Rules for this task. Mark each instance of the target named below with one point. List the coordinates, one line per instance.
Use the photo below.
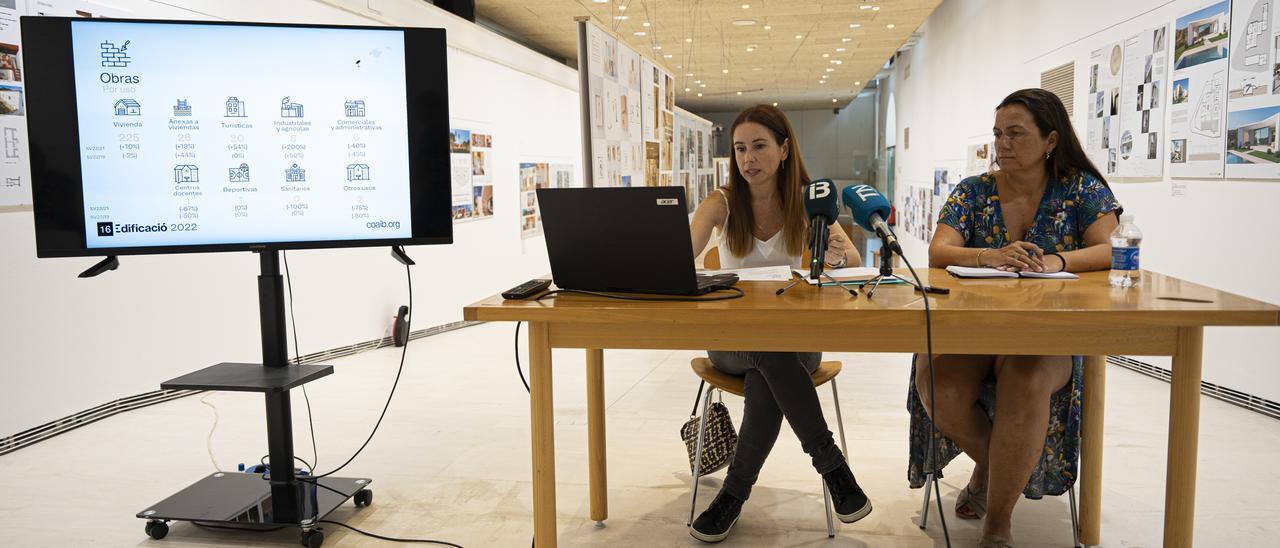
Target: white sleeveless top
(771, 252)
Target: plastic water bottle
(1125, 240)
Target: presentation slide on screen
(209, 134)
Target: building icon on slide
(182, 108)
(235, 108)
(295, 174)
(114, 57)
(357, 172)
(128, 107)
(290, 110)
(186, 173)
(238, 174)
(354, 108)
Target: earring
(1046, 155)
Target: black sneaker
(714, 523)
(850, 502)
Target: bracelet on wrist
(1060, 258)
(977, 261)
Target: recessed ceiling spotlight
(839, 50)
(699, 94)
(889, 26)
(864, 7)
(855, 25)
(646, 23)
(756, 69)
(826, 55)
(799, 36)
(857, 83)
(621, 17)
(876, 8)
(837, 61)
(768, 27)
(687, 90)
(846, 40)
(656, 48)
(642, 33)
(822, 81)
(688, 74)
(725, 71)
(688, 40)
(746, 6)
(833, 100)
(775, 103)
(622, 7)
(601, 1)
(739, 93)
(744, 22)
(831, 70)
(697, 81)
(750, 49)
(666, 56)
(702, 85)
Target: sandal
(972, 501)
(994, 542)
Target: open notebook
(971, 272)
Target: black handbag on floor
(719, 440)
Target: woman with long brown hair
(760, 219)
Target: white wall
(974, 52)
(68, 344)
(834, 146)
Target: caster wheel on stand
(312, 539)
(156, 529)
(363, 497)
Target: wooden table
(992, 316)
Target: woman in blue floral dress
(1048, 209)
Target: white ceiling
(782, 56)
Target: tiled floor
(451, 460)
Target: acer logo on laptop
(668, 201)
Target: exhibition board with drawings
(1142, 104)
(14, 169)
(471, 172)
(1253, 92)
(1103, 127)
(630, 119)
(535, 175)
(1198, 98)
(916, 216)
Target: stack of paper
(971, 272)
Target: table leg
(1184, 439)
(1095, 382)
(597, 464)
(544, 440)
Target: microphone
(822, 208)
(870, 209)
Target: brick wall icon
(115, 57)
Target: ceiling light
(646, 23)
(688, 74)
(775, 103)
(822, 81)
(697, 81)
(744, 22)
(768, 27)
(855, 25)
(846, 40)
(666, 56)
(798, 36)
(833, 100)
(756, 69)
(601, 1)
(656, 48)
(622, 7)
(876, 8)
(725, 71)
(642, 33)
(864, 7)
(746, 6)
(837, 61)
(688, 40)
(702, 85)
(831, 70)
(889, 26)
(687, 90)
(826, 55)
(739, 93)
(857, 83)
(699, 94)
(621, 17)
(839, 50)
(749, 50)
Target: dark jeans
(776, 385)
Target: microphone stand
(886, 273)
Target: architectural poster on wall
(1142, 92)
(616, 126)
(980, 159)
(471, 174)
(1198, 92)
(1102, 137)
(1253, 92)
(15, 172)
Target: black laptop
(631, 240)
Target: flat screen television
(182, 136)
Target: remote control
(527, 289)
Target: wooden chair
(733, 384)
